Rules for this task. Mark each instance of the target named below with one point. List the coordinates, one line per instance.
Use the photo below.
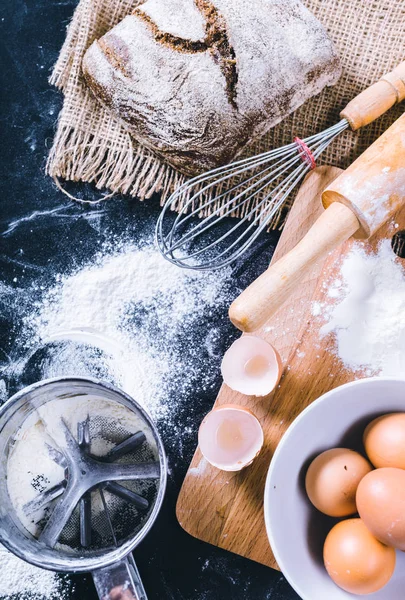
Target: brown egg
(380, 501)
(355, 560)
(384, 441)
(332, 479)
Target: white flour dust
(22, 581)
(132, 306)
(367, 313)
(128, 317)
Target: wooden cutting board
(226, 509)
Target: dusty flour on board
(367, 315)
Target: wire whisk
(255, 188)
(273, 175)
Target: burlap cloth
(92, 146)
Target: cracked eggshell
(230, 437)
(251, 366)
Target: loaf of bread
(196, 80)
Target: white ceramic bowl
(296, 530)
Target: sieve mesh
(126, 520)
(113, 520)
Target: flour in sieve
(30, 467)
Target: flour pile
(131, 318)
(121, 318)
(368, 315)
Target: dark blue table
(35, 236)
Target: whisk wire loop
(199, 228)
(259, 187)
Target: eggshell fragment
(251, 366)
(355, 560)
(380, 501)
(230, 437)
(384, 441)
(332, 479)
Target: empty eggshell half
(251, 366)
(230, 437)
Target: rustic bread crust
(196, 85)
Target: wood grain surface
(226, 509)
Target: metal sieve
(128, 483)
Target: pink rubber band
(305, 153)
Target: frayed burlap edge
(91, 145)
(81, 150)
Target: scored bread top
(195, 80)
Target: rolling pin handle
(267, 293)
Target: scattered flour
(133, 319)
(21, 580)
(200, 468)
(132, 305)
(368, 317)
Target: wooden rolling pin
(357, 203)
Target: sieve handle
(119, 581)
(376, 99)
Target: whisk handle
(377, 99)
(267, 293)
